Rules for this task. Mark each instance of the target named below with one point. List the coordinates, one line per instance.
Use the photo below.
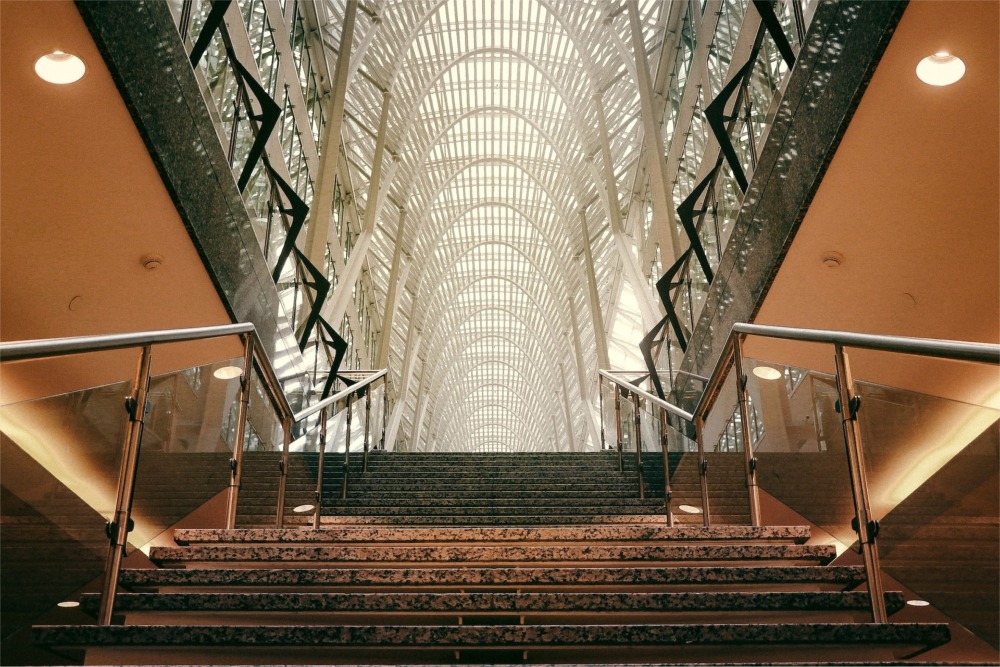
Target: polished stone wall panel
(841, 50)
(144, 52)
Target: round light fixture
(151, 262)
(302, 509)
(918, 603)
(228, 372)
(940, 69)
(767, 373)
(68, 604)
(690, 509)
(60, 67)
(832, 259)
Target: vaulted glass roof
(494, 128)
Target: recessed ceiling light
(68, 604)
(301, 509)
(832, 259)
(228, 372)
(940, 69)
(60, 67)
(767, 373)
(918, 603)
(690, 509)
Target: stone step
(491, 553)
(492, 603)
(838, 575)
(475, 636)
(266, 520)
(797, 534)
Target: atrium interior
(516, 209)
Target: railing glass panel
(933, 467)
(187, 444)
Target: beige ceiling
(912, 202)
(81, 204)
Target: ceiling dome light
(941, 69)
(68, 604)
(59, 67)
(767, 373)
(228, 372)
(918, 603)
(690, 509)
(302, 509)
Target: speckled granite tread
(485, 553)
(515, 603)
(522, 521)
(492, 635)
(798, 534)
(511, 576)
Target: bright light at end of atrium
(940, 69)
(60, 67)
(767, 373)
(228, 372)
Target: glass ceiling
(494, 125)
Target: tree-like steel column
(345, 285)
(655, 156)
(322, 207)
(643, 297)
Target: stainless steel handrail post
(286, 425)
(385, 411)
(600, 399)
(753, 494)
(664, 447)
(347, 450)
(319, 469)
(236, 462)
(867, 528)
(118, 528)
(368, 426)
(618, 423)
(699, 426)
(638, 447)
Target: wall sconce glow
(228, 372)
(918, 603)
(767, 373)
(941, 69)
(690, 509)
(59, 67)
(68, 604)
(302, 509)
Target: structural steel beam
(322, 208)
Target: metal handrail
(339, 396)
(253, 354)
(929, 347)
(652, 398)
(732, 355)
(55, 347)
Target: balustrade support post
(236, 462)
(638, 447)
(750, 461)
(664, 447)
(118, 528)
(319, 469)
(699, 426)
(618, 423)
(867, 528)
(347, 450)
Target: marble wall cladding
(144, 52)
(844, 44)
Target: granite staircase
(492, 559)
